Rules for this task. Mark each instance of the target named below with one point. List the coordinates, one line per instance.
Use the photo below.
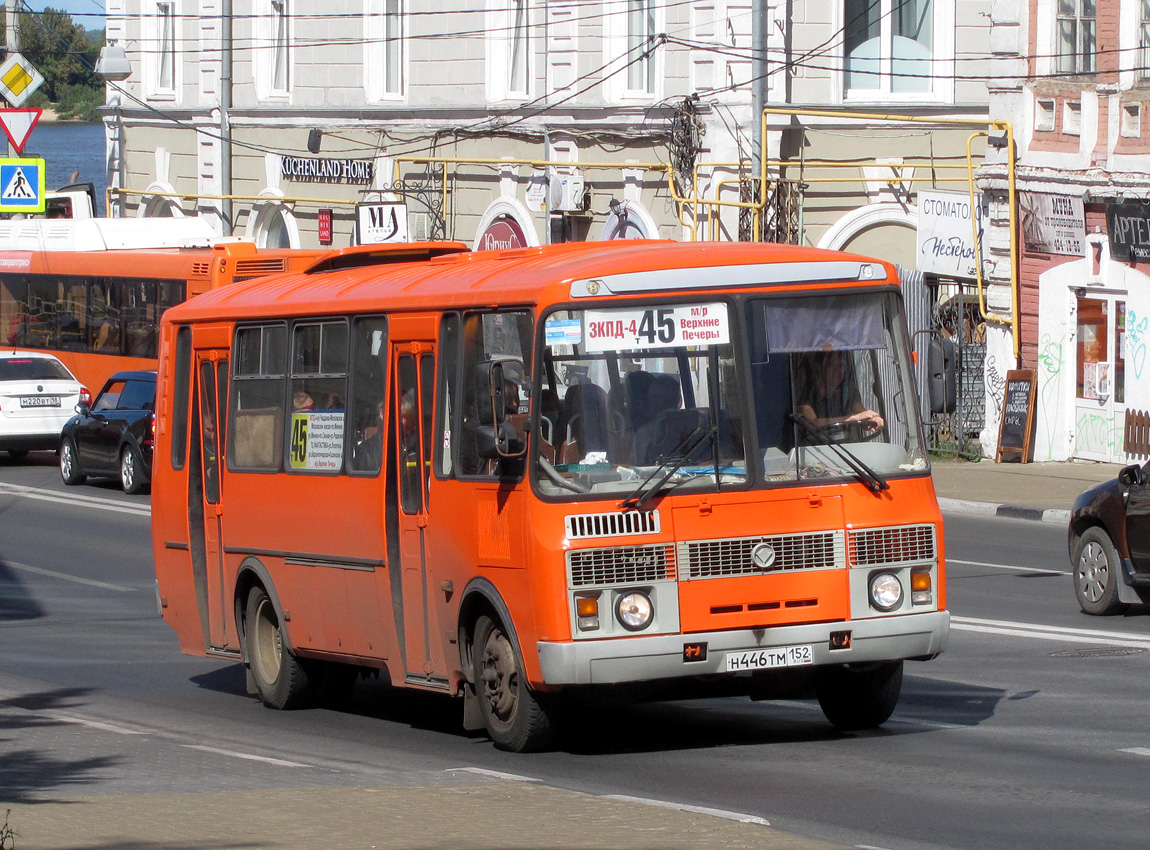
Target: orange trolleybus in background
(520, 477)
(91, 291)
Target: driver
(829, 395)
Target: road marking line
(494, 774)
(93, 724)
(1030, 630)
(74, 500)
(683, 807)
(91, 582)
(1044, 628)
(1138, 751)
(247, 756)
(1006, 567)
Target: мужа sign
(315, 170)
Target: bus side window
(366, 408)
(258, 386)
(506, 338)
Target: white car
(37, 396)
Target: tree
(59, 49)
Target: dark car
(113, 437)
(1110, 543)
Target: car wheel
(132, 471)
(70, 464)
(1096, 566)
(17, 454)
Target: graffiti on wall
(1049, 382)
(1136, 341)
(1098, 433)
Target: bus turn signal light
(920, 589)
(587, 610)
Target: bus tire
(856, 698)
(512, 713)
(132, 471)
(281, 680)
(70, 464)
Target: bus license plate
(40, 401)
(765, 659)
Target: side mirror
(1132, 476)
(489, 407)
(942, 376)
(498, 441)
(83, 408)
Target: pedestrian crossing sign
(22, 185)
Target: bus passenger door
(411, 406)
(205, 502)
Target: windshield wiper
(675, 461)
(865, 474)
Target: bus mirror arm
(498, 441)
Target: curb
(988, 509)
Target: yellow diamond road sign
(18, 79)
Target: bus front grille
(772, 553)
(620, 565)
(895, 545)
(615, 524)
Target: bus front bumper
(637, 659)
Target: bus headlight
(885, 591)
(634, 610)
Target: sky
(89, 13)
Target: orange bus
(91, 291)
(525, 478)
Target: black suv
(113, 436)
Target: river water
(67, 147)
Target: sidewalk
(1040, 491)
(477, 813)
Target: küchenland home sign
(305, 169)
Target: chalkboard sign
(1017, 415)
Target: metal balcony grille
(897, 545)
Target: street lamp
(113, 64)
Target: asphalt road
(1030, 732)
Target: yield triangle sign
(18, 124)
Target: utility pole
(758, 92)
(225, 117)
(12, 40)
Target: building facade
(525, 121)
(1073, 78)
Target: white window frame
(385, 50)
(941, 63)
(622, 43)
(274, 56)
(1084, 59)
(160, 25)
(510, 50)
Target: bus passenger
(829, 395)
(302, 400)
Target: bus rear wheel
(856, 698)
(281, 680)
(513, 714)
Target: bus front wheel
(281, 680)
(514, 715)
(856, 698)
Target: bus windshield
(641, 400)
